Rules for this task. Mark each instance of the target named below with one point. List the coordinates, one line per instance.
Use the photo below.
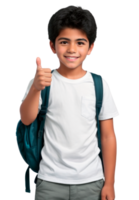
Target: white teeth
(72, 57)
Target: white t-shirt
(70, 152)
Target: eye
(81, 42)
(78, 42)
(62, 42)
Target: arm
(29, 107)
(108, 143)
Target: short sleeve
(27, 91)
(108, 109)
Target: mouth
(71, 58)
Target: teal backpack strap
(27, 182)
(99, 97)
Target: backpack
(30, 138)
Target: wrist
(34, 89)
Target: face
(71, 43)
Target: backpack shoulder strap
(99, 98)
(98, 91)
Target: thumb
(37, 62)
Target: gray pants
(46, 190)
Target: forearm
(29, 107)
(109, 158)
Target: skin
(68, 69)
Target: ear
(52, 46)
(90, 49)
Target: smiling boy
(71, 59)
(70, 167)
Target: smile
(71, 58)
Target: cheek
(60, 52)
(83, 51)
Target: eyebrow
(70, 40)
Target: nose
(72, 48)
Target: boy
(70, 167)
